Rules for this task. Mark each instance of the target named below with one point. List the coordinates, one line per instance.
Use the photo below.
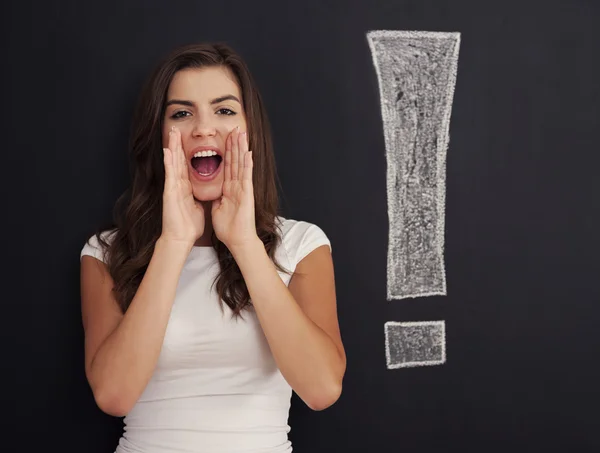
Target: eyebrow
(226, 97)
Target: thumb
(216, 204)
(199, 205)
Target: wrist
(173, 245)
(247, 248)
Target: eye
(227, 111)
(178, 114)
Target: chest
(202, 331)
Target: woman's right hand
(183, 216)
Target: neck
(204, 240)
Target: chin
(208, 192)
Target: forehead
(203, 84)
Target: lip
(197, 175)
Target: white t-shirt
(216, 387)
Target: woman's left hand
(233, 214)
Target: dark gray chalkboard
(518, 304)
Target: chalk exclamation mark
(416, 71)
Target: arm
(299, 322)
(121, 351)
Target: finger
(182, 158)
(175, 149)
(247, 175)
(167, 160)
(235, 154)
(170, 174)
(243, 146)
(171, 150)
(215, 205)
(228, 158)
(172, 144)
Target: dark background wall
(521, 312)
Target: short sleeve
(300, 238)
(93, 247)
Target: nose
(203, 127)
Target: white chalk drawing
(411, 344)
(416, 71)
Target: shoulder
(299, 238)
(93, 247)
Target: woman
(203, 308)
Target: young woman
(203, 308)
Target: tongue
(205, 165)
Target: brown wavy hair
(137, 214)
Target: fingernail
(172, 128)
(237, 128)
(244, 133)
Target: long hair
(137, 215)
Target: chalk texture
(411, 344)
(416, 72)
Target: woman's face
(205, 105)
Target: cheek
(165, 134)
(226, 129)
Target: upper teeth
(205, 153)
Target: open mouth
(206, 165)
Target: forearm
(306, 356)
(124, 363)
